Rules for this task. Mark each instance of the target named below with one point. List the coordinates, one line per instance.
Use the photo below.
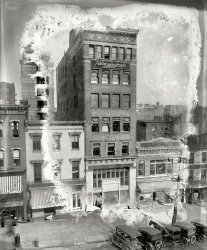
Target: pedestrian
(2, 222)
(10, 229)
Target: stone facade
(7, 93)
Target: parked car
(126, 238)
(151, 238)
(201, 230)
(188, 231)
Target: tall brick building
(7, 93)
(96, 82)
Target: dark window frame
(96, 149)
(94, 101)
(75, 144)
(111, 149)
(75, 170)
(36, 144)
(37, 172)
(105, 101)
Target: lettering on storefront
(109, 65)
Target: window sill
(75, 149)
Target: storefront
(196, 192)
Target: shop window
(75, 141)
(106, 52)
(111, 149)
(129, 54)
(91, 51)
(105, 77)
(191, 158)
(1, 129)
(76, 200)
(75, 101)
(169, 166)
(114, 53)
(15, 128)
(96, 149)
(160, 167)
(152, 167)
(116, 101)
(94, 100)
(191, 174)
(56, 142)
(105, 101)
(94, 77)
(99, 51)
(1, 158)
(16, 157)
(126, 78)
(106, 125)
(116, 78)
(116, 124)
(95, 125)
(204, 157)
(36, 143)
(75, 169)
(125, 148)
(121, 53)
(141, 168)
(203, 174)
(37, 172)
(126, 101)
(126, 177)
(126, 124)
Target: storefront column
(24, 184)
(132, 185)
(89, 187)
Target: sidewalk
(69, 231)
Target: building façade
(96, 82)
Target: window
(95, 124)
(47, 80)
(125, 148)
(41, 92)
(15, 128)
(152, 167)
(106, 52)
(99, 51)
(36, 143)
(203, 174)
(91, 51)
(116, 78)
(56, 142)
(129, 54)
(74, 82)
(105, 101)
(116, 124)
(94, 76)
(105, 77)
(126, 78)
(191, 158)
(204, 156)
(37, 172)
(75, 101)
(121, 53)
(141, 168)
(1, 158)
(160, 167)
(191, 174)
(75, 141)
(126, 124)
(169, 166)
(94, 100)
(114, 53)
(116, 101)
(111, 148)
(75, 169)
(105, 125)
(16, 157)
(96, 149)
(126, 101)
(1, 129)
(41, 104)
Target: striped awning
(11, 184)
(44, 198)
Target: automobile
(201, 230)
(126, 238)
(151, 238)
(188, 231)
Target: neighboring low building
(13, 184)
(158, 166)
(55, 167)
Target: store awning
(150, 187)
(44, 198)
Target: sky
(168, 42)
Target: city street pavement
(75, 233)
